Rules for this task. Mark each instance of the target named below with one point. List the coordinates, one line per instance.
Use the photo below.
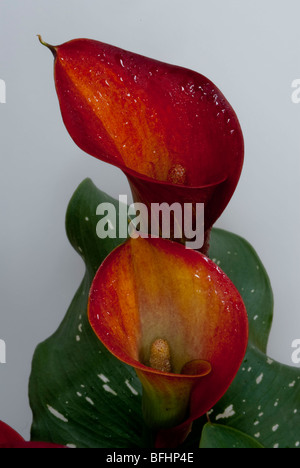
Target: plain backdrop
(249, 49)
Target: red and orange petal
(148, 116)
(160, 123)
(9, 438)
(154, 288)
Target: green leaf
(264, 399)
(218, 436)
(81, 395)
(237, 258)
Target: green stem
(49, 46)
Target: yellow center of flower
(177, 175)
(160, 357)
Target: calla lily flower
(9, 438)
(170, 129)
(177, 319)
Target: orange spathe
(149, 289)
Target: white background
(250, 49)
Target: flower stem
(49, 46)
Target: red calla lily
(170, 129)
(9, 438)
(174, 316)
